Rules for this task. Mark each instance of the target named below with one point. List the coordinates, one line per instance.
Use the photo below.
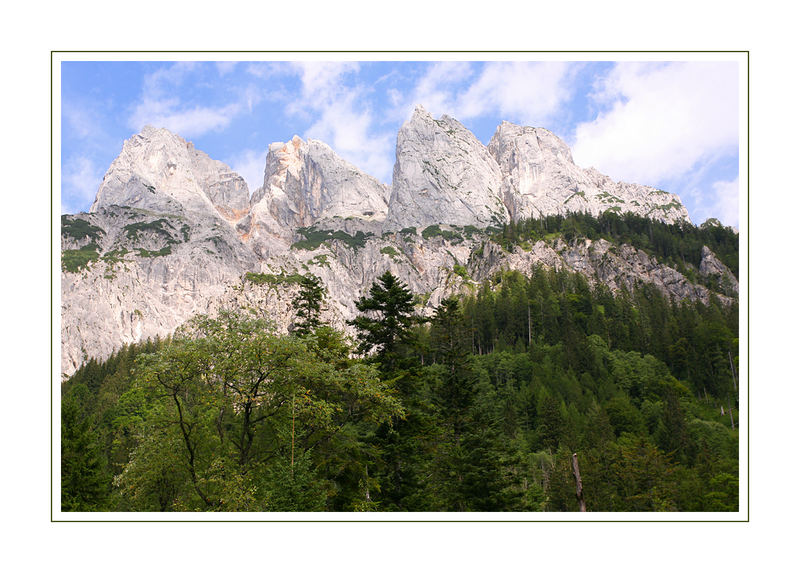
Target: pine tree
(84, 482)
(308, 305)
(450, 344)
(391, 314)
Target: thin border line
(52, 280)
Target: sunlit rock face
(173, 233)
(443, 174)
(540, 178)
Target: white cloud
(190, 122)
(159, 106)
(438, 89)
(531, 93)
(527, 92)
(323, 84)
(349, 132)
(341, 117)
(320, 78)
(250, 164)
(664, 120)
(224, 68)
(725, 205)
(80, 121)
(266, 70)
(727, 193)
(80, 179)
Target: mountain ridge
(178, 232)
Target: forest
(479, 407)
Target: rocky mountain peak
(547, 145)
(173, 233)
(540, 178)
(306, 181)
(162, 172)
(443, 174)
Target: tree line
(477, 408)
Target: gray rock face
(305, 183)
(443, 174)
(711, 266)
(163, 229)
(153, 271)
(162, 172)
(173, 233)
(599, 261)
(540, 178)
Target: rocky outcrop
(158, 245)
(173, 233)
(161, 172)
(306, 183)
(540, 178)
(601, 262)
(443, 174)
(711, 267)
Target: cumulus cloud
(159, 106)
(437, 90)
(80, 179)
(80, 121)
(224, 68)
(341, 116)
(349, 132)
(250, 164)
(531, 93)
(721, 202)
(727, 201)
(661, 120)
(190, 122)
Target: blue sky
(672, 125)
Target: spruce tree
(84, 480)
(308, 305)
(390, 315)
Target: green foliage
(479, 409)
(461, 271)
(115, 256)
(389, 314)
(74, 260)
(435, 231)
(308, 304)
(78, 229)
(83, 470)
(159, 226)
(313, 238)
(272, 279)
(163, 252)
(236, 418)
(678, 245)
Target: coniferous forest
(479, 407)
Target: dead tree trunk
(578, 483)
(529, 323)
(733, 372)
(730, 411)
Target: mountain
(540, 178)
(443, 174)
(173, 233)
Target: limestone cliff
(173, 233)
(540, 178)
(443, 174)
